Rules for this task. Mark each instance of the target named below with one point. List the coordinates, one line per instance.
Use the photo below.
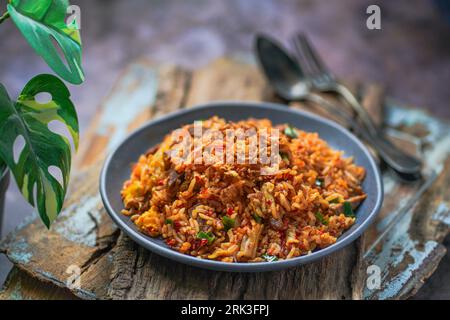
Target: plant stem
(4, 16)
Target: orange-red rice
(297, 210)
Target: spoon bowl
(283, 72)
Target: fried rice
(232, 212)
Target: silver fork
(321, 79)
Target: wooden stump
(404, 242)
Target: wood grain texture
(138, 274)
(218, 81)
(404, 242)
(410, 252)
(21, 286)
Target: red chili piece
(177, 225)
(171, 242)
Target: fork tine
(312, 54)
(305, 63)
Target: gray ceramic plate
(118, 166)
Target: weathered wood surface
(404, 242)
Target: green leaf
(43, 21)
(43, 148)
(348, 211)
(206, 235)
(228, 223)
(284, 156)
(321, 218)
(290, 132)
(319, 182)
(169, 221)
(2, 168)
(257, 218)
(269, 258)
(335, 200)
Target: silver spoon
(290, 83)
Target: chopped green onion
(169, 221)
(269, 258)
(257, 218)
(348, 211)
(335, 200)
(321, 218)
(290, 132)
(284, 156)
(319, 182)
(228, 223)
(206, 235)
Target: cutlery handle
(362, 113)
(399, 161)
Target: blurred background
(410, 55)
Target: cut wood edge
(19, 285)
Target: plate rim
(138, 237)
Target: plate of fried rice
(243, 187)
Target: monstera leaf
(44, 146)
(2, 167)
(43, 26)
